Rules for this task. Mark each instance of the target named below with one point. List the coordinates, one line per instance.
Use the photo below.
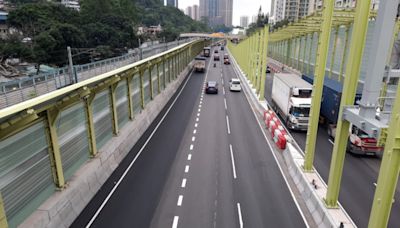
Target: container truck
(291, 99)
(359, 141)
(206, 52)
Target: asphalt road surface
(360, 174)
(206, 165)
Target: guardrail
(45, 140)
(20, 90)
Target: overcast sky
(240, 7)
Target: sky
(240, 7)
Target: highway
(204, 162)
(360, 174)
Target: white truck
(291, 99)
(199, 64)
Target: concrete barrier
(62, 208)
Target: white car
(234, 85)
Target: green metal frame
(3, 216)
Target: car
(234, 85)
(268, 70)
(216, 51)
(216, 57)
(211, 87)
(222, 48)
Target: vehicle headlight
(294, 119)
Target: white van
(234, 85)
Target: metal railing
(16, 91)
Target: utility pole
(71, 67)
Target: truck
(199, 64)
(359, 142)
(226, 59)
(206, 52)
(291, 99)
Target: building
(254, 19)
(195, 13)
(189, 11)
(4, 30)
(277, 10)
(216, 12)
(152, 30)
(244, 21)
(73, 4)
(173, 3)
(315, 5)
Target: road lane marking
(226, 107)
(331, 141)
(183, 185)
(240, 215)
(196, 124)
(193, 138)
(198, 114)
(191, 147)
(197, 119)
(137, 156)
(227, 125)
(179, 203)
(223, 90)
(275, 158)
(194, 131)
(186, 169)
(189, 157)
(233, 161)
(175, 222)
(199, 105)
(199, 110)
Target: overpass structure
(143, 145)
(210, 35)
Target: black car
(216, 51)
(222, 48)
(268, 70)
(216, 57)
(212, 87)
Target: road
(207, 165)
(360, 174)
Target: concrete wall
(61, 209)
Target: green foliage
(262, 20)
(107, 27)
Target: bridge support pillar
(322, 55)
(349, 89)
(90, 125)
(344, 53)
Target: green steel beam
(130, 93)
(262, 52)
(54, 147)
(322, 55)
(88, 101)
(335, 40)
(389, 171)
(18, 124)
(349, 89)
(141, 75)
(346, 39)
(304, 54)
(113, 107)
(264, 65)
(3, 216)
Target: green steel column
(349, 89)
(310, 54)
(114, 112)
(344, 53)
(130, 93)
(389, 171)
(335, 40)
(257, 59)
(264, 66)
(158, 78)
(322, 55)
(261, 61)
(248, 53)
(251, 57)
(3, 216)
(299, 41)
(55, 153)
(150, 69)
(304, 55)
(141, 88)
(90, 125)
(288, 52)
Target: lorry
(359, 141)
(199, 64)
(291, 99)
(206, 52)
(226, 59)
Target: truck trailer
(199, 64)
(359, 141)
(291, 99)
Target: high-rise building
(216, 12)
(195, 12)
(244, 21)
(189, 11)
(277, 10)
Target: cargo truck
(199, 64)
(291, 99)
(359, 141)
(206, 52)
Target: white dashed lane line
(193, 139)
(175, 222)
(186, 169)
(179, 203)
(194, 131)
(189, 157)
(227, 125)
(183, 185)
(233, 161)
(226, 107)
(240, 215)
(191, 147)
